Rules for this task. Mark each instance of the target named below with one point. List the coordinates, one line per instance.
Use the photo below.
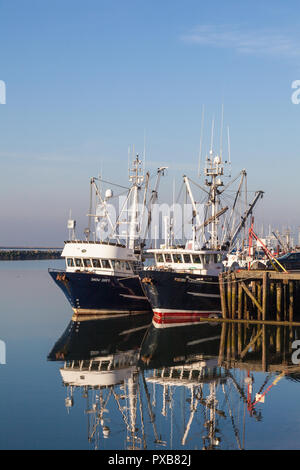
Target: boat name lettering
(95, 279)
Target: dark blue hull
(172, 346)
(90, 293)
(178, 298)
(108, 334)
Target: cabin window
(196, 259)
(186, 258)
(177, 258)
(78, 262)
(105, 264)
(128, 268)
(70, 262)
(168, 258)
(116, 264)
(208, 259)
(96, 263)
(218, 258)
(159, 258)
(87, 263)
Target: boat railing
(51, 270)
(93, 242)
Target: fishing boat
(100, 357)
(183, 285)
(101, 275)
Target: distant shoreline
(29, 254)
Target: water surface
(64, 385)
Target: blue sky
(86, 79)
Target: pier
(23, 254)
(260, 296)
(258, 347)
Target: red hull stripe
(178, 317)
(183, 314)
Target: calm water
(179, 388)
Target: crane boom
(258, 195)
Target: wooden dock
(258, 347)
(260, 296)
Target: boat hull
(108, 334)
(181, 298)
(90, 293)
(184, 344)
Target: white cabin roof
(94, 378)
(184, 251)
(97, 250)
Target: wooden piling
(239, 338)
(291, 301)
(259, 298)
(233, 296)
(265, 296)
(223, 296)
(278, 301)
(222, 344)
(264, 349)
(240, 301)
(229, 295)
(259, 295)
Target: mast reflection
(184, 387)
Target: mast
(152, 200)
(214, 170)
(232, 239)
(194, 207)
(136, 177)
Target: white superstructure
(100, 371)
(206, 262)
(100, 258)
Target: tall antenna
(200, 144)
(221, 132)
(212, 135)
(129, 160)
(228, 140)
(173, 192)
(144, 164)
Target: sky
(86, 79)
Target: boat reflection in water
(185, 387)
(101, 358)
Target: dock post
(223, 296)
(291, 301)
(285, 299)
(233, 346)
(264, 349)
(239, 338)
(265, 295)
(222, 344)
(278, 301)
(233, 295)
(240, 301)
(229, 295)
(259, 298)
(228, 355)
(272, 295)
(278, 339)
